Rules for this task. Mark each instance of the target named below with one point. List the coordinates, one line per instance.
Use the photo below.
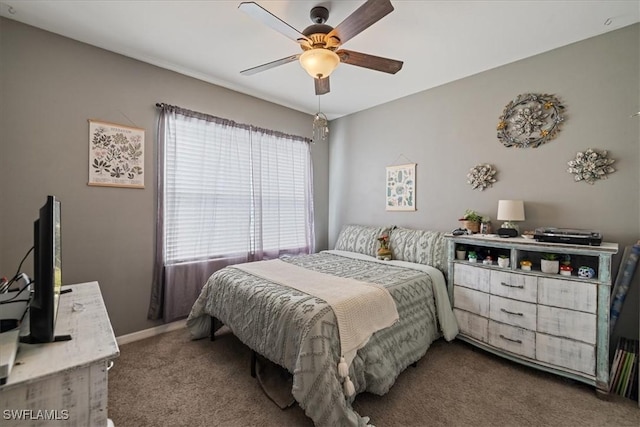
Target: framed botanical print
(401, 187)
(116, 155)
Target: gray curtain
(157, 289)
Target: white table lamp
(509, 211)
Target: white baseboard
(151, 332)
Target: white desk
(64, 383)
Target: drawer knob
(511, 312)
(512, 286)
(510, 339)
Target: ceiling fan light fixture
(319, 62)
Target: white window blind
(231, 190)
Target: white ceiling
(439, 41)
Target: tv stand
(28, 339)
(66, 378)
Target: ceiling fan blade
(269, 65)
(365, 16)
(259, 13)
(322, 85)
(372, 62)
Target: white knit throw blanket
(360, 308)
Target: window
(232, 189)
(227, 193)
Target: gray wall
(451, 128)
(49, 87)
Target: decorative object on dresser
(471, 221)
(586, 272)
(566, 270)
(510, 211)
(590, 166)
(550, 322)
(530, 120)
(528, 234)
(503, 261)
(481, 176)
(485, 225)
(549, 263)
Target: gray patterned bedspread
(299, 332)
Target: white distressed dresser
(552, 322)
(64, 383)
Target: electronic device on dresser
(568, 235)
(47, 275)
(507, 232)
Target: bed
(300, 332)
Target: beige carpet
(171, 381)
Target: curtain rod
(228, 122)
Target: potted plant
(461, 252)
(503, 261)
(472, 256)
(549, 263)
(471, 220)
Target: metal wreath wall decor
(530, 120)
(590, 166)
(481, 176)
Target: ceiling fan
(320, 42)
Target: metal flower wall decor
(530, 120)
(590, 166)
(481, 176)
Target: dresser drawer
(472, 277)
(567, 323)
(569, 354)
(512, 312)
(472, 325)
(568, 294)
(470, 300)
(510, 338)
(514, 286)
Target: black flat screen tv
(47, 273)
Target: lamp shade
(510, 210)
(319, 62)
